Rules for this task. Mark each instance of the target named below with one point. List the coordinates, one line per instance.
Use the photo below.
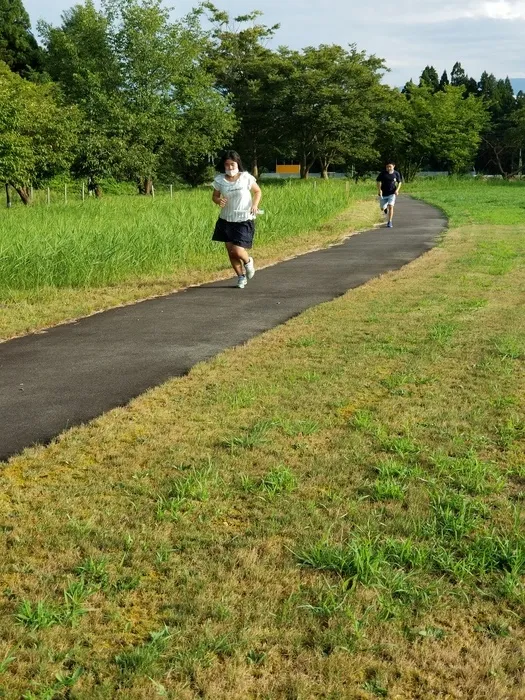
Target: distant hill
(518, 84)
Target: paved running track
(72, 373)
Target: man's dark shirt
(389, 182)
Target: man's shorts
(384, 202)
(237, 232)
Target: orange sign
(288, 169)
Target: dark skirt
(237, 232)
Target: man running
(389, 183)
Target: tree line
(130, 93)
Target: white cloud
(503, 9)
(437, 12)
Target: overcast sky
(408, 34)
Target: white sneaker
(241, 281)
(249, 268)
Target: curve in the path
(71, 373)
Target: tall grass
(97, 243)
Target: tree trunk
(7, 196)
(147, 186)
(324, 172)
(24, 194)
(94, 188)
(255, 168)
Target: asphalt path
(69, 374)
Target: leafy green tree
(141, 82)
(457, 122)
(501, 150)
(330, 99)
(37, 132)
(18, 46)
(442, 127)
(251, 75)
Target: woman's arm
(256, 197)
(218, 198)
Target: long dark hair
(230, 155)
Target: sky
(408, 34)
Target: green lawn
(334, 510)
(474, 200)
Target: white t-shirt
(238, 194)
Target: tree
(250, 74)
(457, 122)
(37, 132)
(429, 78)
(458, 77)
(501, 149)
(18, 47)
(330, 98)
(444, 81)
(141, 82)
(444, 127)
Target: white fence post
(171, 191)
(48, 196)
(83, 195)
(65, 194)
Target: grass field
(344, 520)
(64, 261)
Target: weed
(495, 629)
(278, 480)
(363, 420)
(330, 600)
(441, 333)
(387, 489)
(404, 589)
(361, 560)
(8, 659)
(94, 572)
(393, 469)
(305, 342)
(432, 633)
(397, 383)
(400, 445)
(509, 432)
(510, 347)
(37, 615)
(292, 428)
(163, 554)
(194, 486)
(125, 583)
(453, 516)
(253, 437)
(143, 659)
(375, 687)
(404, 554)
(468, 474)
(255, 656)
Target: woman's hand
(223, 202)
(254, 209)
